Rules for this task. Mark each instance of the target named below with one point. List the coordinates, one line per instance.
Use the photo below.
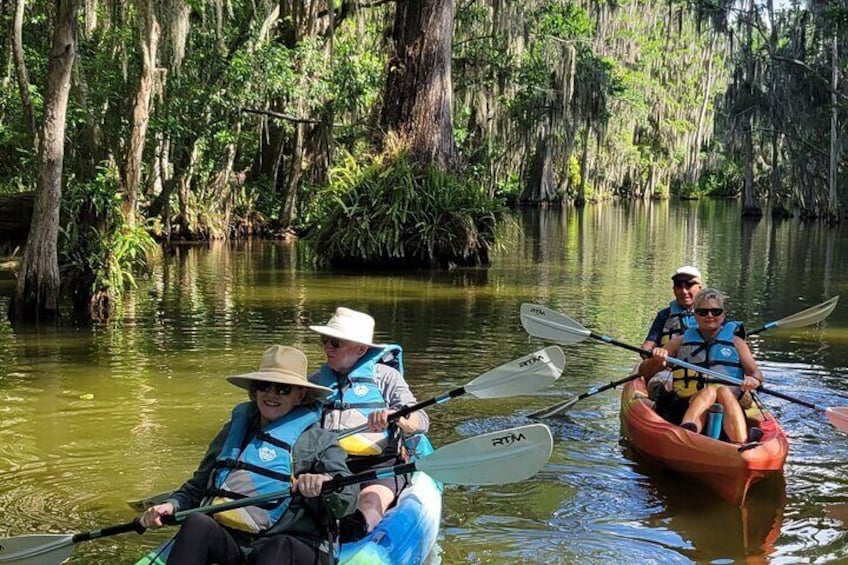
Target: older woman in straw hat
(368, 385)
(273, 437)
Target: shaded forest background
(411, 124)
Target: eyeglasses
(281, 389)
(685, 284)
(334, 342)
(715, 312)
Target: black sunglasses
(715, 312)
(334, 342)
(282, 389)
(685, 284)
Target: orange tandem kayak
(726, 470)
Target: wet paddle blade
(541, 321)
(142, 504)
(554, 409)
(838, 417)
(807, 317)
(520, 376)
(505, 456)
(39, 549)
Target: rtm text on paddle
(508, 439)
(533, 361)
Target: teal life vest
(720, 355)
(355, 396)
(263, 466)
(678, 321)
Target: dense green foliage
(390, 213)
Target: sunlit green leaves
(392, 212)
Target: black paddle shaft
(760, 388)
(407, 410)
(335, 484)
(134, 526)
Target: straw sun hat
(349, 325)
(281, 364)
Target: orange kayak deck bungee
(720, 465)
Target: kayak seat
(755, 434)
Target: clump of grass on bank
(393, 213)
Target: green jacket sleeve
(193, 490)
(322, 454)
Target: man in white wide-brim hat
(267, 441)
(673, 320)
(367, 386)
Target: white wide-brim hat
(284, 365)
(349, 325)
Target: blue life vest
(678, 321)
(357, 395)
(720, 355)
(263, 466)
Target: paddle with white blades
(524, 375)
(504, 456)
(807, 317)
(520, 376)
(541, 321)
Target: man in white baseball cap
(673, 320)
(366, 379)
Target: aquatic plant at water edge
(393, 213)
(98, 251)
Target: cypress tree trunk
(540, 187)
(418, 95)
(21, 71)
(149, 45)
(750, 202)
(832, 208)
(37, 293)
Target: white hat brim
(335, 332)
(243, 381)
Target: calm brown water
(91, 417)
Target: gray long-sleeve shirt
(395, 391)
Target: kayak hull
(405, 535)
(728, 471)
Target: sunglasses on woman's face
(334, 342)
(282, 389)
(685, 284)
(715, 312)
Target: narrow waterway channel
(92, 417)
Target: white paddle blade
(838, 417)
(505, 456)
(810, 316)
(541, 321)
(520, 376)
(39, 549)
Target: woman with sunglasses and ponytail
(271, 443)
(367, 385)
(716, 344)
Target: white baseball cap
(687, 271)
